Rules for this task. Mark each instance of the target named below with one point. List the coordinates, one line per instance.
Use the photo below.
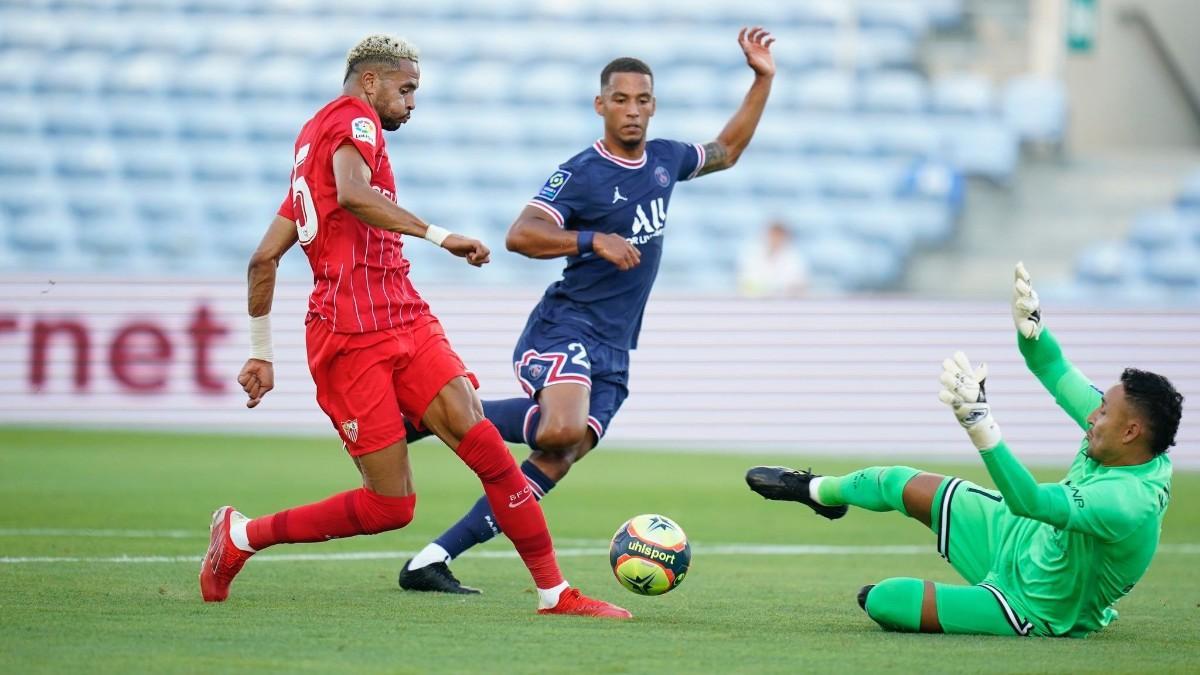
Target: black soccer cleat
(435, 578)
(783, 484)
(862, 596)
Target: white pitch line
(716, 549)
(104, 534)
(67, 533)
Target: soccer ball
(650, 554)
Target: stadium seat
(145, 124)
(16, 75)
(1189, 194)
(894, 91)
(95, 163)
(1163, 228)
(983, 147)
(690, 86)
(867, 180)
(63, 123)
(1109, 264)
(76, 76)
(23, 162)
(909, 135)
(963, 94)
(272, 82)
(156, 167)
(833, 135)
(218, 127)
(18, 121)
(1177, 267)
(207, 79)
(1036, 109)
(40, 225)
(105, 226)
(827, 90)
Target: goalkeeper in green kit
(1045, 559)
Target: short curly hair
(380, 49)
(1154, 397)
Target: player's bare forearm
(260, 274)
(355, 194)
(534, 236)
(735, 137)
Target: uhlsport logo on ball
(650, 554)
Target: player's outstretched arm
(355, 194)
(534, 235)
(733, 139)
(258, 375)
(1073, 391)
(963, 390)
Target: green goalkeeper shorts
(970, 522)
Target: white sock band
(548, 597)
(813, 492)
(429, 555)
(436, 234)
(237, 531)
(260, 338)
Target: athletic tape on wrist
(260, 338)
(436, 235)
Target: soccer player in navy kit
(605, 210)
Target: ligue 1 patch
(661, 175)
(350, 427)
(363, 129)
(554, 184)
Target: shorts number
(304, 210)
(579, 355)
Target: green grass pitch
(104, 495)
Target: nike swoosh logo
(513, 505)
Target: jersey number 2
(579, 355)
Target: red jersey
(359, 273)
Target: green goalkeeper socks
(877, 488)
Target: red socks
(353, 512)
(517, 512)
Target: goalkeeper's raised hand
(1026, 309)
(963, 391)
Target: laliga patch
(554, 184)
(363, 129)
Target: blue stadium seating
(1157, 262)
(179, 117)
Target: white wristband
(436, 234)
(260, 338)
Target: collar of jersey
(619, 161)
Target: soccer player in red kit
(376, 353)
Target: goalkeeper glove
(962, 390)
(1026, 309)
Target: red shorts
(368, 383)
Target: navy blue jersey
(596, 190)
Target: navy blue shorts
(549, 354)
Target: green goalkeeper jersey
(1082, 543)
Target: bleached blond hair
(383, 49)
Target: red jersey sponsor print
(360, 275)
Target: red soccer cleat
(223, 560)
(574, 603)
